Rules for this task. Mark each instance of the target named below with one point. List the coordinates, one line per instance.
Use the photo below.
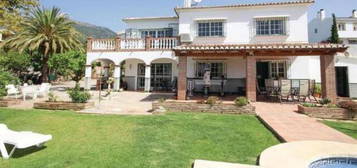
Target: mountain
(89, 30)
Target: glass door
(161, 76)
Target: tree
(334, 31)
(15, 62)
(12, 11)
(47, 31)
(70, 65)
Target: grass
(349, 128)
(173, 140)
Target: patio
(251, 54)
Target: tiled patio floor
(291, 126)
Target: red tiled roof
(251, 5)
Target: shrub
(331, 105)
(52, 97)
(241, 101)
(325, 101)
(350, 105)
(212, 100)
(162, 100)
(309, 105)
(78, 96)
(317, 89)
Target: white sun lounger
(20, 140)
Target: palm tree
(47, 31)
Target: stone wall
(62, 105)
(177, 106)
(328, 113)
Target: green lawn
(349, 128)
(173, 140)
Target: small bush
(78, 96)
(325, 101)
(332, 105)
(52, 97)
(162, 100)
(350, 105)
(241, 101)
(309, 105)
(212, 100)
(318, 89)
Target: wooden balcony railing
(139, 44)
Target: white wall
(349, 32)
(150, 23)
(323, 29)
(240, 21)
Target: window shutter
(287, 26)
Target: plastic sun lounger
(20, 140)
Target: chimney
(321, 14)
(354, 13)
(187, 3)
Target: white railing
(103, 44)
(163, 43)
(117, 44)
(132, 44)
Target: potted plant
(317, 91)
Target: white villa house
(346, 62)
(241, 45)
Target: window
(206, 29)
(273, 26)
(217, 69)
(277, 70)
(341, 27)
(155, 33)
(316, 31)
(355, 27)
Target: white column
(147, 78)
(88, 77)
(117, 72)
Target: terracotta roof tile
(251, 4)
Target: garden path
(283, 120)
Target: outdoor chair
(12, 90)
(303, 92)
(29, 90)
(20, 140)
(44, 89)
(285, 90)
(269, 85)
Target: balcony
(135, 44)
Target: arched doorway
(102, 74)
(133, 74)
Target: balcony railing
(132, 44)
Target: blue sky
(108, 13)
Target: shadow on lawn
(23, 152)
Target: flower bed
(193, 106)
(63, 105)
(325, 112)
(8, 102)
